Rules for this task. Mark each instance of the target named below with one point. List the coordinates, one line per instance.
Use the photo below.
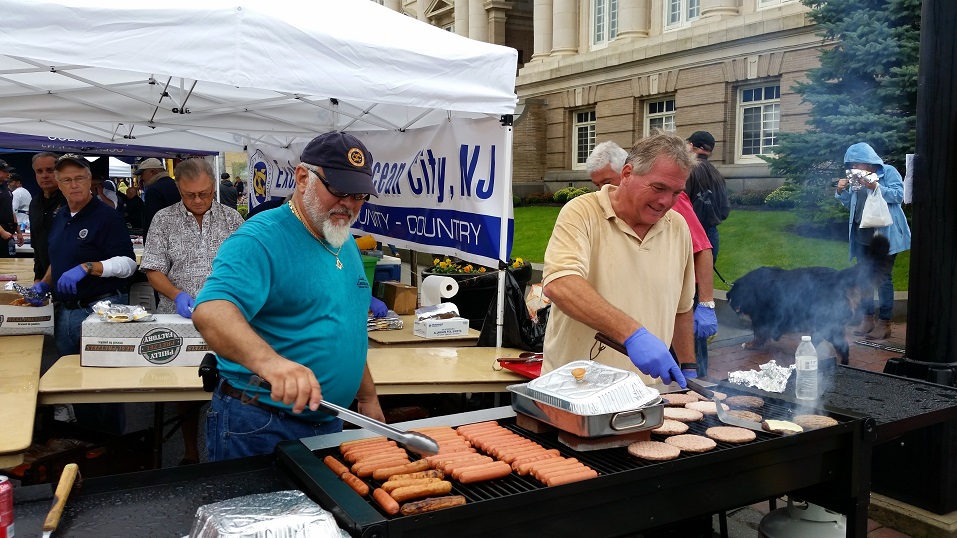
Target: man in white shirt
(21, 200)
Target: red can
(6, 508)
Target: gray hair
(660, 144)
(606, 154)
(192, 169)
(42, 155)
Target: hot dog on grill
(355, 483)
(392, 485)
(424, 490)
(386, 501)
(413, 467)
(334, 464)
(428, 505)
(491, 471)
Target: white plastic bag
(535, 301)
(876, 214)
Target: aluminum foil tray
(604, 389)
(646, 417)
(280, 514)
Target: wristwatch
(89, 267)
(708, 304)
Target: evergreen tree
(865, 89)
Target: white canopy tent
(220, 75)
(216, 74)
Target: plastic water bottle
(805, 358)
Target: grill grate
(606, 462)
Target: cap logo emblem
(356, 157)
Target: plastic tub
(369, 262)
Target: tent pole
(506, 191)
(217, 169)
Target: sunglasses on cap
(359, 197)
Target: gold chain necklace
(295, 211)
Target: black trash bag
(518, 329)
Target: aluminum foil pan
(603, 389)
(282, 514)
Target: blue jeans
(67, 324)
(237, 430)
(712, 233)
(885, 292)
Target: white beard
(334, 234)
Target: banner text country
(442, 227)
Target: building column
(394, 5)
(542, 28)
(718, 8)
(462, 17)
(497, 14)
(478, 20)
(421, 6)
(564, 27)
(634, 17)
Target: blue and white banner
(444, 189)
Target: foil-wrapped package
(282, 514)
(121, 313)
(389, 322)
(770, 377)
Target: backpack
(711, 206)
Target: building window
(583, 137)
(660, 115)
(769, 3)
(604, 21)
(681, 12)
(759, 120)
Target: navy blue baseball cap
(6, 167)
(71, 158)
(345, 161)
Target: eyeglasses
(73, 180)
(205, 195)
(359, 197)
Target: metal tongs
(696, 386)
(414, 441)
(528, 356)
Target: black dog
(815, 300)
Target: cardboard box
(400, 298)
(441, 328)
(171, 340)
(16, 320)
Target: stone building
(616, 69)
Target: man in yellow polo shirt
(619, 262)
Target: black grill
(830, 467)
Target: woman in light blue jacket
(862, 156)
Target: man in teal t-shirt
(288, 301)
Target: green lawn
(749, 239)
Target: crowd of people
(619, 261)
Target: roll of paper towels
(436, 288)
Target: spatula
(59, 498)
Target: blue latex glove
(378, 308)
(652, 357)
(692, 374)
(184, 304)
(705, 322)
(67, 283)
(41, 289)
